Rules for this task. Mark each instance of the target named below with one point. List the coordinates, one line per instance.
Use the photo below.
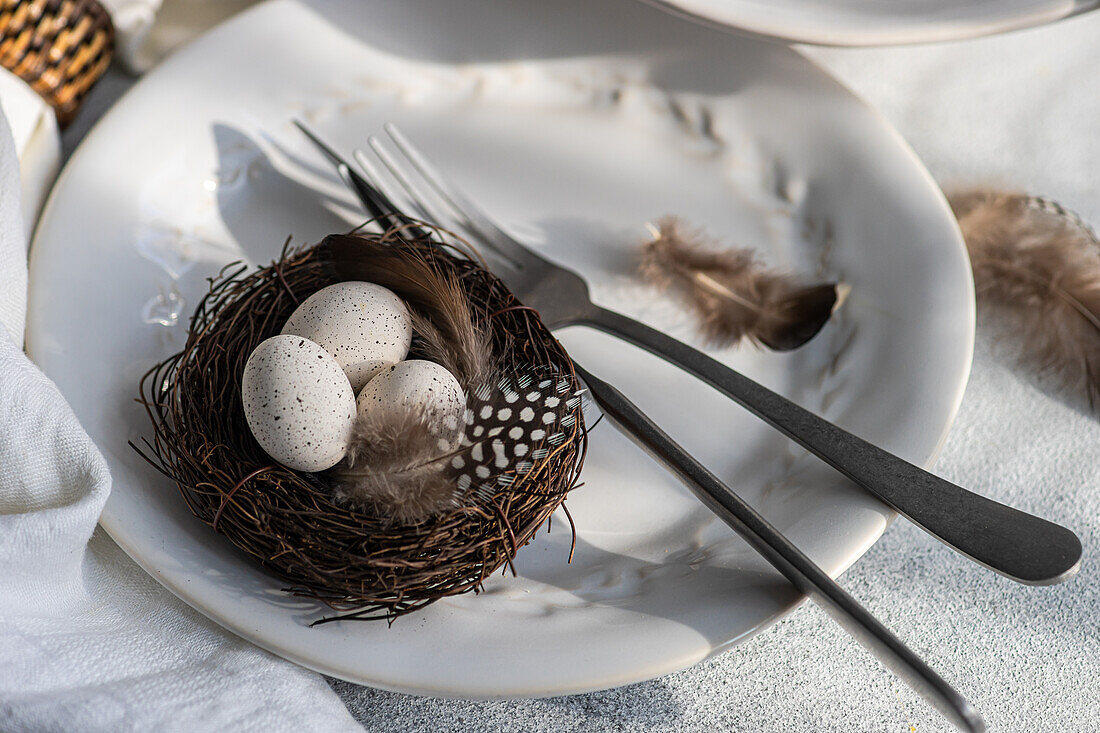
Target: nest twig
(359, 565)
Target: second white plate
(877, 22)
(574, 123)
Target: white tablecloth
(34, 135)
(1016, 111)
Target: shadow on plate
(264, 196)
(560, 29)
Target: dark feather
(733, 294)
(1040, 266)
(441, 313)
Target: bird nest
(362, 565)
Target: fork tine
(490, 232)
(426, 210)
(320, 144)
(412, 196)
(398, 171)
(374, 201)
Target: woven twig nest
(294, 523)
(59, 47)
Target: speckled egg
(364, 326)
(298, 403)
(414, 382)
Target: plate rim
(849, 37)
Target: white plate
(877, 22)
(607, 118)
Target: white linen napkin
(88, 641)
(37, 145)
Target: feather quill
(1040, 266)
(733, 294)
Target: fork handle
(783, 555)
(1021, 546)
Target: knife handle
(1021, 546)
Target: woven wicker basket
(59, 47)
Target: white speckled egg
(414, 382)
(364, 326)
(298, 403)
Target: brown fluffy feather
(395, 467)
(734, 295)
(1040, 266)
(441, 314)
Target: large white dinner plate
(877, 22)
(574, 124)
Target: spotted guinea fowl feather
(405, 466)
